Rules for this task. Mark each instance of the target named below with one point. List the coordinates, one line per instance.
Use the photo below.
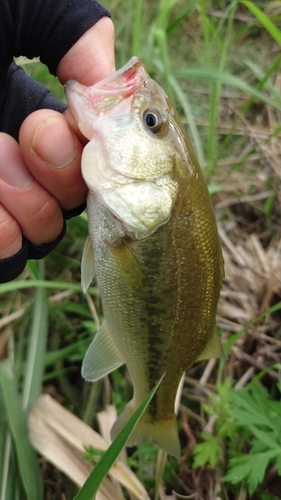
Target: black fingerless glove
(35, 97)
(12, 267)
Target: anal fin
(102, 356)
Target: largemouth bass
(153, 244)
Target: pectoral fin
(87, 265)
(128, 266)
(102, 357)
(213, 349)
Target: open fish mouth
(111, 90)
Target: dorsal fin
(213, 349)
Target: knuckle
(46, 222)
(11, 237)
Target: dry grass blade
(163, 496)
(51, 429)
(4, 336)
(106, 419)
(12, 317)
(184, 497)
(252, 286)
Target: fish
(153, 245)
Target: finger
(72, 123)
(11, 237)
(92, 57)
(34, 209)
(53, 155)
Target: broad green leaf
(267, 496)
(267, 438)
(250, 468)
(279, 383)
(208, 452)
(248, 412)
(278, 463)
(92, 484)
(26, 457)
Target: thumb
(92, 57)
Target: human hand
(42, 173)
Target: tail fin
(163, 434)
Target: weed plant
(220, 62)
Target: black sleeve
(44, 28)
(23, 96)
(32, 28)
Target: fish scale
(153, 243)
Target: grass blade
(137, 29)
(263, 78)
(264, 20)
(3, 440)
(37, 347)
(191, 121)
(214, 75)
(182, 15)
(52, 285)
(215, 96)
(91, 486)
(160, 467)
(6, 450)
(26, 458)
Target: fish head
(135, 144)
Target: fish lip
(108, 92)
(125, 79)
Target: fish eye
(153, 120)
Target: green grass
(220, 62)
(91, 486)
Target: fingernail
(53, 142)
(13, 170)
